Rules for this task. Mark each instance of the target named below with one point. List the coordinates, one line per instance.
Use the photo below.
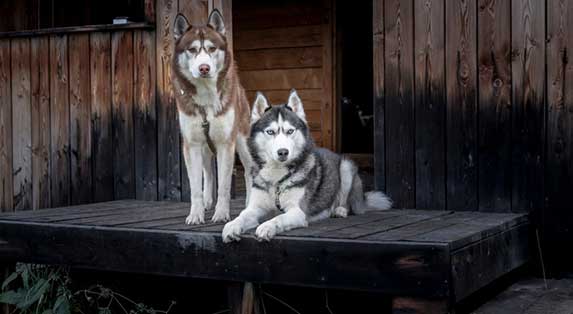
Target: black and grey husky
(293, 178)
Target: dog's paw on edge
(232, 232)
(222, 213)
(196, 217)
(266, 231)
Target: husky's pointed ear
(295, 104)
(259, 107)
(216, 21)
(181, 26)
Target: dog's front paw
(232, 231)
(340, 212)
(222, 213)
(266, 231)
(196, 216)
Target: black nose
(204, 69)
(283, 153)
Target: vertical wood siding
(482, 119)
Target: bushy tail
(376, 200)
(361, 202)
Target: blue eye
(290, 131)
(270, 132)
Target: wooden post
(403, 305)
(244, 298)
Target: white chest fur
(220, 127)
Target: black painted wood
(411, 253)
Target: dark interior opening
(354, 79)
(40, 14)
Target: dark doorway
(354, 78)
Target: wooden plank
(122, 117)
(102, 151)
(80, 119)
(73, 216)
(284, 37)
(494, 129)
(149, 11)
(40, 84)
(415, 231)
(60, 121)
(145, 123)
(408, 305)
(282, 79)
(557, 215)
(328, 109)
(22, 124)
(378, 98)
(311, 98)
(461, 113)
(6, 184)
(479, 264)
(528, 117)
(168, 142)
(277, 14)
(72, 210)
(282, 58)
(356, 232)
(393, 268)
(466, 232)
(77, 29)
(125, 215)
(330, 225)
(430, 104)
(399, 49)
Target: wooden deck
(424, 254)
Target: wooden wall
(280, 45)
(474, 108)
(79, 115)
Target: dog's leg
(293, 218)
(347, 173)
(194, 162)
(247, 162)
(225, 161)
(208, 177)
(248, 218)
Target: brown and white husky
(213, 113)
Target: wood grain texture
(251, 15)
(101, 113)
(557, 217)
(145, 112)
(494, 101)
(21, 124)
(60, 121)
(122, 117)
(6, 185)
(399, 54)
(328, 109)
(430, 104)
(528, 116)
(80, 119)
(461, 113)
(282, 58)
(296, 36)
(379, 104)
(40, 84)
(168, 141)
(282, 79)
(311, 98)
